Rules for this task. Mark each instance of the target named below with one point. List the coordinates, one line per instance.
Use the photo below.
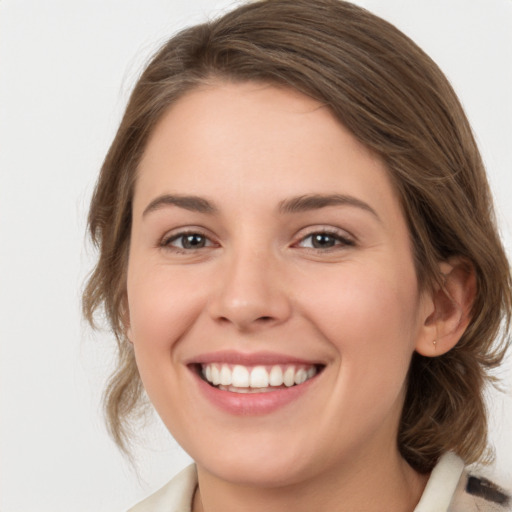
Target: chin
(260, 464)
(271, 474)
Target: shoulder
(175, 496)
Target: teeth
(259, 377)
(245, 379)
(225, 375)
(240, 377)
(301, 376)
(289, 376)
(276, 376)
(215, 376)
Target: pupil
(193, 241)
(322, 240)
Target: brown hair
(396, 101)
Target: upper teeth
(256, 376)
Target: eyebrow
(192, 203)
(317, 201)
(293, 205)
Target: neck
(365, 485)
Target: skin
(257, 283)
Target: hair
(395, 100)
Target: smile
(256, 379)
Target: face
(273, 300)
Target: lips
(253, 384)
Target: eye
(187, 241)
(325, 240)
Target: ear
(449, 308)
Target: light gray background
(66, 68)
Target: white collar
(175, 496)
(441, 485)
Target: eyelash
(166, 243)
(339, 241)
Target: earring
(435, 344)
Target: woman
(299, 259)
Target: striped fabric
(477, 494)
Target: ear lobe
(452, 302)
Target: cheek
(366, 309)
(162, 305)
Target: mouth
(254, 384)
(238, 378)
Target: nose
(251, 293)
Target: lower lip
(252, 404)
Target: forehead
(253, 140)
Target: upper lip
(250, 359)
